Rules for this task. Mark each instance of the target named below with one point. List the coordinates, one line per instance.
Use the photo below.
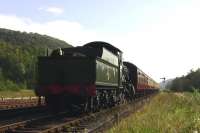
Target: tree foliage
(187, 83)
(30, 39)
(18, 57)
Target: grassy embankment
(19, 93)
(168, 112)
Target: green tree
(18, 57)
(188, 82)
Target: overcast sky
(162, 37)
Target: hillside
(30, 39)
(18, 57)
(164, 85)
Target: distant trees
(17, 66)
(18, 57)
(187, 83)
(30, 39)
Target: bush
(11, 86)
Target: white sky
(164, 41)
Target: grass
(168, 112)
(20, 93)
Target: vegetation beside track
(20, 93)
(167, 112)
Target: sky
(161, 37)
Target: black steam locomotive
(90, 77)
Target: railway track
(14, 117)
(63, 122)
(22, 102)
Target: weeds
(167, 112)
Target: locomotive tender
(89, 77)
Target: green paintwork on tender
(106, 73)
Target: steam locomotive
(90, 77)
